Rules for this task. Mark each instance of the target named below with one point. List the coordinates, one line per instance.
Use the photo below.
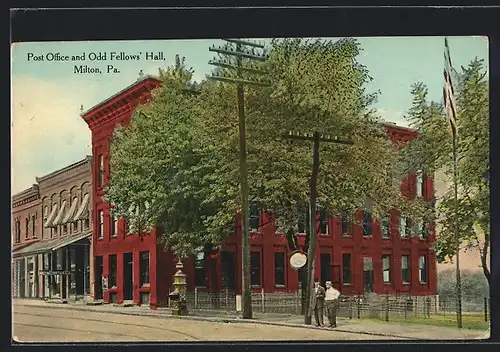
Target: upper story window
(254, 218)
(323, 221)
(367, 223)
(100, 230)
(27, 228)
(384, 226)
(302, 219)
(17, 230)
(114, 226)
(420, 183)
(403, 226)
(100, 177)
(33, 227)
(345, 223)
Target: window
(323, 221)
(422, 229)
(27, 228)
(199, 269)
(405, 269)
(100, 230)
(33, 227)
(384, 227)
(346, 268)
(254, 218)
(255, 269)
(422, 266)
(367, 223)
(18, 231)
(65, 228)
(114, 226)
(112, 270)
(302, 219)
(279, 269)
(403, 226)
(420, 183)
(345, 223)
(45, 214)
(386, 268)
(144, 268)
(100, 180)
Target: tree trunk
(484, 256)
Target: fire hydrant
(177, 298)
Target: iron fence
(383, 307)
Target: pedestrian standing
(332, 303)
(318, 303)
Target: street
(41, 324)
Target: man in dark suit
(318, 303)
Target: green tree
(432, 151)
(178, 159)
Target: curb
(221, 320)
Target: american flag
(448, 89)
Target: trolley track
(105, 321)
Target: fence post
(386, 307)
(262, 295)
(297, 302)
(415, 312)
(227, 299)
(350, 307)
(195, 297)
(428, 299)
(358, 303)
(485, 309)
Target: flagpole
(451, 111)
(457, 234)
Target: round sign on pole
(298, 260)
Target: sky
(47, 130)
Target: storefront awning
(83, 211)
(50, 245)
(70, 214)
(60, 215)
(51, 217)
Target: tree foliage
(180, 153)
(432, 151)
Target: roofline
(66, 168)
(142, 79)
(34, 189)
(399, 127)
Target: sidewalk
(356, 326)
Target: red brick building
(26, 230)
(375, 256)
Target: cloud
(46, 129)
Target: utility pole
(234, 51)
(316, 138)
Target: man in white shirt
(332, 303)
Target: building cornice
(27, 196)
(120, 103)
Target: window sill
(279, 286)
(405, 283)
(347, 284)
(115, 236)
(255, 286)
(387, 283)
(346, 235)
(423, 282)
